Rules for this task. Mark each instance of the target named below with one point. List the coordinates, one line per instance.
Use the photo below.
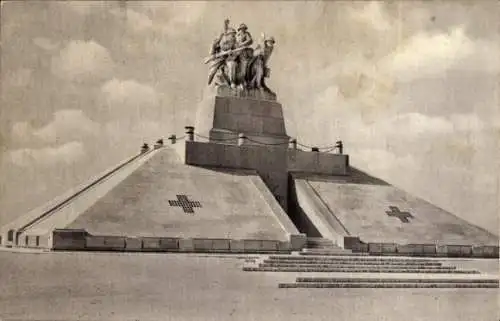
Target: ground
(127, 286)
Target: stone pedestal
(256, 114)
(258, 117)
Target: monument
(238, 194)
(244, 187)
(235, 64)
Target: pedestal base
(260, 94)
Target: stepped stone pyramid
(247, 188)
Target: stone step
(451, 285)
(344, 259)
(358, 270)
(389, 280)
(321, 247)
(333, 253)
(331, 248)
(314, 246)
(359, 266)
(351, 262)
(318, 239)
(323, 250)
(327, 242)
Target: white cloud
(382, 161)
(427, 55)
(22, 132)
(169, 18)
(121, 95)
(83, 7)
(416, 124)
(146, 131)
(136, 21)
(65, 154)
(46, 43)
(372, 14)
(466, 122)
(19, 78)
(183, 16)
(68, 124)
(485, 57)
(82, 60)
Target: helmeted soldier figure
(243, 40)
(225, 42)
(258, 69)
(235, 63)
(266, 52)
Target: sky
(410, 87)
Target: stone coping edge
(355, 244)
(80, 240)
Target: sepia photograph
(249, 160)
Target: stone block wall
(424, 249)
(81, 240)
(273, 163)
(317, 162)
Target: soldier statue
(236, 63)
(258, 69)
(243, 40)
(222, 60)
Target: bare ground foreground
(118, 286)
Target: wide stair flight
(345, 269)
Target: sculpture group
(234, 63)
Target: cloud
(65, 154)
(83, 7)
(169, 18)
(183, 16)
(402, 130)
(466, 122)
(484, 57)
(22, 132)
(82, 60)
(125, 96)
(19, 78)
(416, 124)
(373, 15)
(383, 162)
(140, 131)
(46, 43)
(68, 124)
(428, 55)
(136, 21)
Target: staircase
(322, 246)
(323, 256)
(332, 283)
(354, 264)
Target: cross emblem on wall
(396, 212)
(187, 205)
